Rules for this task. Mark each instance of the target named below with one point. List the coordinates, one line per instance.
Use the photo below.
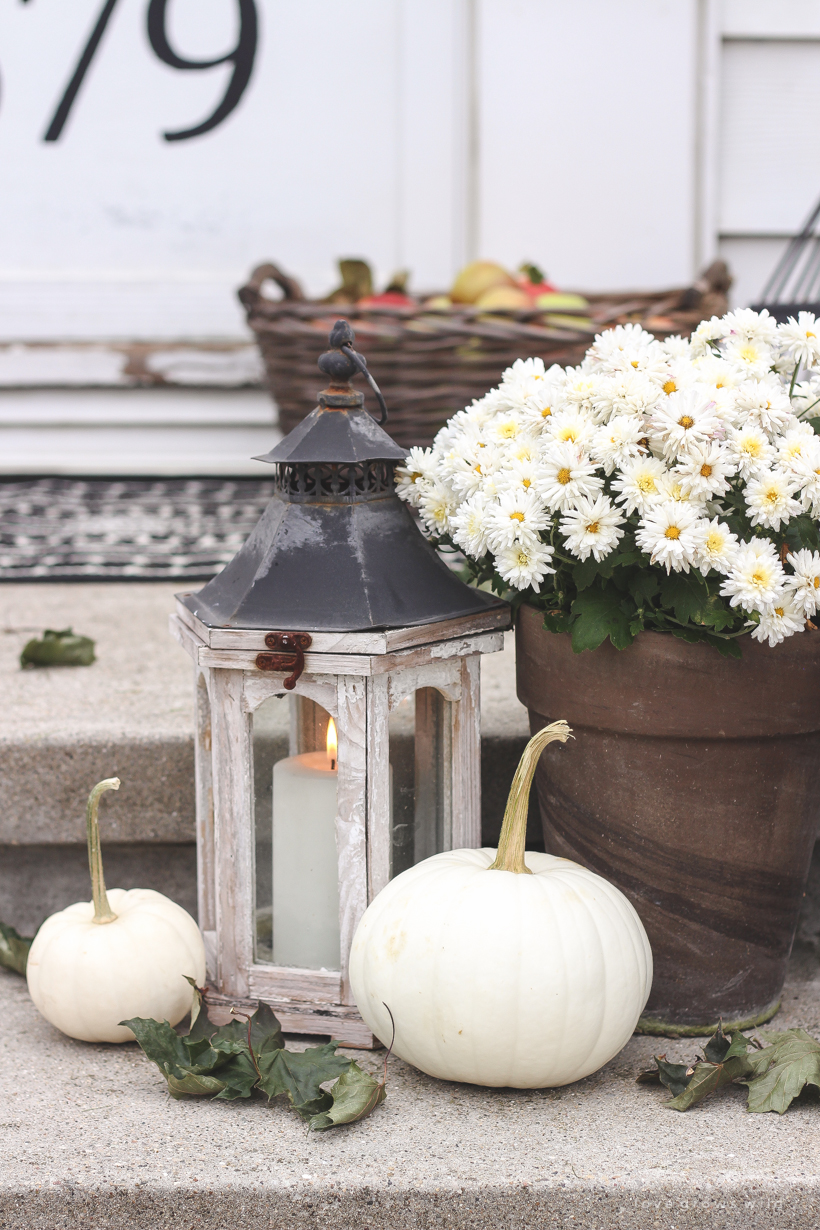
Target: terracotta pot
(694, 785)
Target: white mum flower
(716, 546)
(522, 473)
(753, 357)
(517, 516)
(806, 471)
(486, 408)
(592, 528)
(782, 620)
(645, 360)
(627, 393)
(468, 526)
(567, 475)
(769, 499)
(706, 337)
(416, 476)
(674, 489)
(749, 449)
(800, 339)
(527, 378)
(524, 564)
(705, 470)
(640, 484)
(806, 399)
(756, 577)
(803, 586)
(667, 534)
(676, 347)
(618, 442)
(751, 326)
(684, 419)
(613, 342)
(436, 508)
(570, 426)
(795, 445)
(507, 425)
(764, 402)
(579, 388)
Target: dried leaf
(13, 949)
(64, 648)
(710, 1076)
(782, 1070)
(355, 1094)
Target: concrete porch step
(130, 714)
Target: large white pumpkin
(528, 977)
(121, 955)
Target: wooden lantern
(337, 665)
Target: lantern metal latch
(289, 654)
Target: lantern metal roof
(336, 550)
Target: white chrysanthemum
(516, 516)
(705, 470)
(764, 402)
(618, 442)
(684, 419)
(756, 577)
(567, 476)
(794, 446)
(714, 371)
(592, 528)
(803, 585)
(613, 342)
(752, 357)
(579, 389)
(436, 507)
(416, 476)
(640, 484)
(643, 360)
(706, 337)
(673, 488)
(800, 339)
(676, 347)
(626, 393)
(749, 449)
(569, 426)
(485, 408)
(782, 620)
(770, 499)
(524, 564)
(507, 425)
(716, 546)
(468, 526)
(467, 472)
(752, 326)
(667, 534)
(541, 406)
(806, 472)
(521, 473)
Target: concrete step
(90, 1137)
(130, 714)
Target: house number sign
(241, 56)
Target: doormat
(97, 529)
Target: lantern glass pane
(297, 884)
(421, 776)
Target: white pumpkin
(499, 971)
(121, 955)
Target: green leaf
(729, 649)
(685, 593)
(675, 1076)
(600, 615)
(13, 949)
(782, 1070)
(584, 573)
(300, 1074)
(58, 649)
(717, 613)
(557, 621)
(355, 1094)
(709, 1076)
(642, 584)
(196, 1086)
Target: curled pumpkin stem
(102, 910)
(510, 853)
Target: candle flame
(332, 743)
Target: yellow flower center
(714, 541)
(671, 531)
(645, 483)
(686, 421)
(568, 433)
(546, 412)
(517, 516)
(634, 362)
(508, 431)
(759, 578)
(705, 470)
(670, 387)
(477, 469)
(592, 528)
(564, 476)
(526, 482)
(809, 334)
(748, 354)
(718, 384)
(772, 495)
(752, 448)
(778, 610)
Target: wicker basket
(428, 364)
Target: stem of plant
(510, 853)
(102, 910)
(249, 1019)
(794, 377)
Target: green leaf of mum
(686, 594)
(355, 1095)
(783, 1069)
(13, 949)
(600, 615)
(300, 1074)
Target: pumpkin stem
(102, 910)
(510, 853)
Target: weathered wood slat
(466, 745)
(351, 816)
(314, 986)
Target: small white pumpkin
(121, 955)
(499, 971)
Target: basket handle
(251, 294)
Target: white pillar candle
(305, 864)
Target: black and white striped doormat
(95, 529)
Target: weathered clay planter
(694, 786)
